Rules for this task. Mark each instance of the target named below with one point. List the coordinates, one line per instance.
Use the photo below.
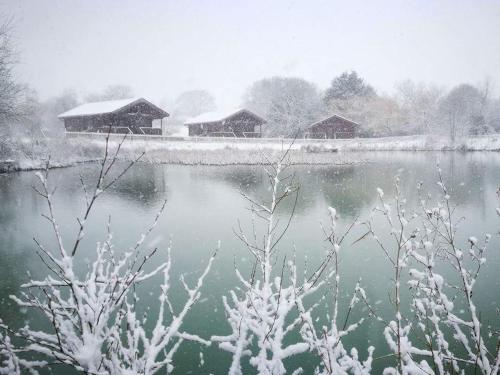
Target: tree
(17, 102)
(288, 104)
(463, 110)
(112, 92)
(380, 116)
(350, 96)
(348, 86)
(493, 115)
(419, 105)
(11, 92)
(193, 103)
(64, 102)
(53, 107)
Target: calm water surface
(203, 205)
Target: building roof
(219, 116)
(333, 117)
(107, 107)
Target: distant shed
(333, 127)
(240, 123)
(134, 116)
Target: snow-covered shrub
(396, 249)
(435, 297)
(94, 327)
(10, 362)
(260, 313)
(439, 339)
(327, 342)
(265, 312)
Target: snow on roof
(220, 115)
(100, 108)
(332, 116)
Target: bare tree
(10, 90)
(13, 104)
(462, 110)
(493, 115)
(288, 104)
(420, 106)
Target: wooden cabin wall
(96, 123)
(195, 130)
(335, 128)
(239, 124)
(135, 117)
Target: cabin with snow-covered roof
(333, 127)
(125, 116)
(240, 123)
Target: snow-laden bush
(94, 325)
(267, 309)
(434, 338)
(327, 342)
(259, 315)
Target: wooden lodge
(333, 127)
(240, 123)
(125, 116)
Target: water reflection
(352, 188)
(146, 184)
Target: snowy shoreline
(87, 147)
(490, 142)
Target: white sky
(162, 48)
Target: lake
(203, 206)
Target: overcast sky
(162, 48)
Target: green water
(203, 205)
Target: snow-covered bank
(85, 147)
(220, 151)
(421, 143)
(217, 153)
(407, 143)
(26, 154)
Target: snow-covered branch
(443, 340)
(327, 342)
(94, 327)
(260, 315)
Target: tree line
(289, 104)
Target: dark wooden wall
(241, 125)
(135, 117)
(333, 128)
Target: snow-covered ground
(27, 154)
(224, 151)
(422, 143)
(82, 147)
(407, 143)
